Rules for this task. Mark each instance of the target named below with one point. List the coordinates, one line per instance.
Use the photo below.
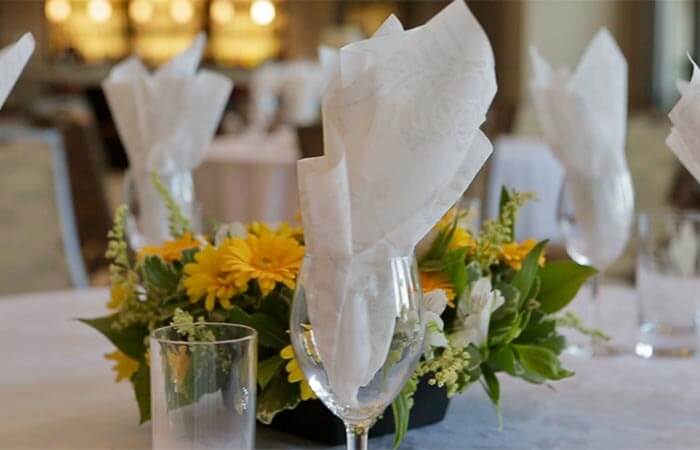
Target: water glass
(668, 284)
(203, 382)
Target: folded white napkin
(684, 139)
(166, 121)
(401, 117)
(584, 119)
(13, 58)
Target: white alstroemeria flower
(230, 230)
(435, 303)
(473, 316)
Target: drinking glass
(394, 277)
(148, 217)
(203, 387)
(595, 215)
(668, 283)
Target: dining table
(57, 391)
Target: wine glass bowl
(398, 278)
(595, 216)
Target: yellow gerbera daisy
(431, 281)
(268, 258)
(284, 229)
(171, 250)
(514, 253)
(295, 374)
(125, 367)
(206, 278)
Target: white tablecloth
(250, 176)
(56, 391)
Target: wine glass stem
(356, 437)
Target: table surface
(57, 392)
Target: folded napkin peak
(401, 117)
(166, 121)
(13, 58)
(584, 113)
(684, 139)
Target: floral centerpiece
(490, 303)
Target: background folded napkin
(13, 58)
(401, 116)
(166, 121)
(584, 119)
(684, 139)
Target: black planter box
(311, 420)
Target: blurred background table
(57, 392)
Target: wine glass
(394, 282)
(595, 215)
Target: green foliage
(277, 395)
(525, 277)
(271, 333)
(401, 408)
(142, 391)
(130, 340)
(179, 224)
(560, 281)
(269, 368)
(571, 320)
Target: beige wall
(561, 30)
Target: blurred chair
(527, 165)
(87, 171)
(41, 249)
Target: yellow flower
(295, 374)
(268, 258)
(431, 281)
(206, 278)
(461, 238)
(514, 253)
(124, 366)
(171, 250)
(284, 229)
(179, 364)
(448, 219)
(118, 293)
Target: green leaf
(491, 385)
(160, 275)
(504, 360)
(456, 269)
(141, 382)
(441, 242)
(129, 340)
(560, 281)
(278, 395)
(541, 361)
(275, 305)
(270, 333)
(525, 277)
(268, 368)
(401, 409)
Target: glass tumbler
(668, 284)
(203, 382)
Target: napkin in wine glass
(13, 58)
(166, 121)
(584, 119)
(684, 139)
(401, 117)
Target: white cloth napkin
(13, 58)
(684, 139)
(166, 121)
(401, 117)
(584, 119)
